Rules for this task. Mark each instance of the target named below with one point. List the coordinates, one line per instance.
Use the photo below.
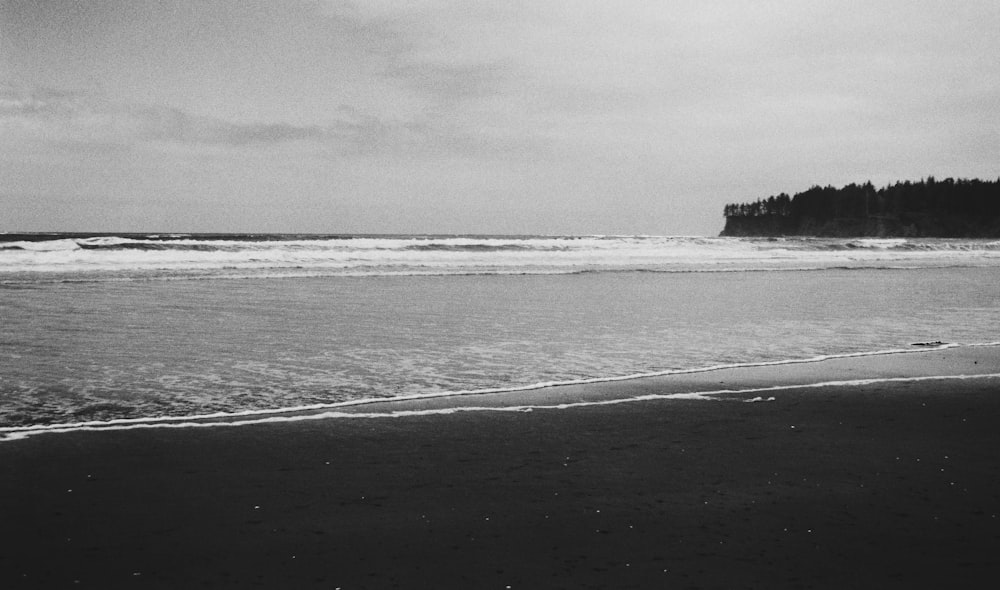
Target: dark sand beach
(883, 484)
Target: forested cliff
(928, 208)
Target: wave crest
(172, 255)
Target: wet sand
(883, 484)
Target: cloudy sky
(464, 116)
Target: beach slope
(887, 476)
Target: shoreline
(877, 483)
(498, 398)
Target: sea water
(105, 327)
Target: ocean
(98, 327)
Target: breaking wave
(123, 256)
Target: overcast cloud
(569, 116)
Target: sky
(496, 117)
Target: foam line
(36, 276)
(699, 395)
(60, 427)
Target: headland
(929, 208)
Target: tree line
(927, 207)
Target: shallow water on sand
(71, 352)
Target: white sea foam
(337, 410)
(633, 307)
(12, 434)
(158, 255)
